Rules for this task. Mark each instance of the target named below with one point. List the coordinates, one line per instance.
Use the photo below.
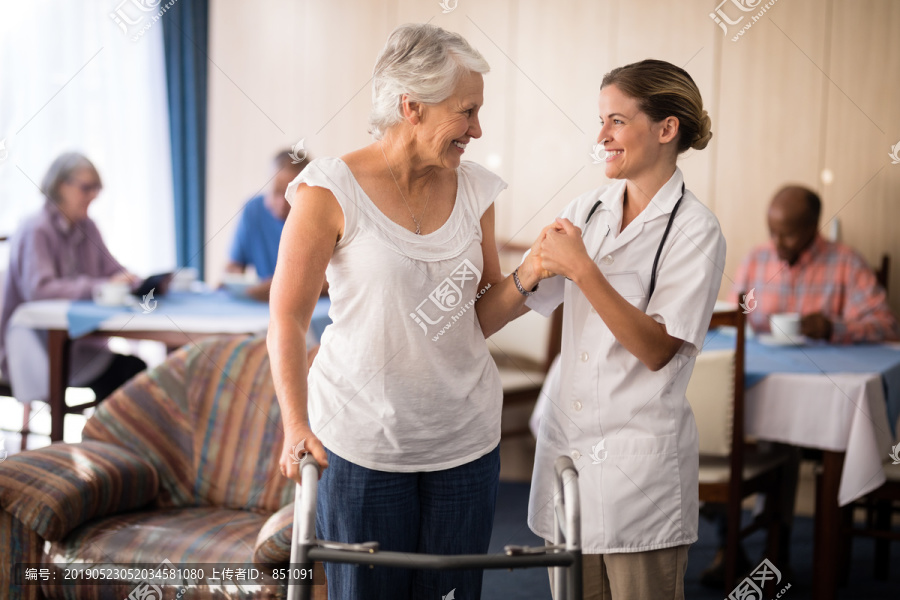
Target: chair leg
(882, 546)
(732, 542)
(776, 530)
(26, 417)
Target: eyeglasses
(86, 188)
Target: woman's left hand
(563, 251)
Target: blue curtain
(185, 40)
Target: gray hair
(61, 169)
(423, 61)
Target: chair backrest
(716, 392)
(711, 395)
(882, 273)
(209, 421)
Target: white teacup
(184, 279)
(785, 327)
(112, 293)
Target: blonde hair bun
(704, 134)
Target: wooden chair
(883, 272)
(880, 505)
(730, 468)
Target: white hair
(422, 61)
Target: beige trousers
(650, 575)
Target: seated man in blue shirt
(259, 230)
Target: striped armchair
(181, 463)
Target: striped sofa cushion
(20, 545)
(273, 544)
(54, 489)
(201, 537)
(209, 422)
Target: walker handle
(303, 536)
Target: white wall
(811, 85)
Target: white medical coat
(630, 430)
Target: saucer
(767, 339)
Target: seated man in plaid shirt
(833, 290)
(829, 284)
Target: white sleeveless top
(403, 380)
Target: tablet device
(159, 283)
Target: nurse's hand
(298, 441)
(534, 258)
(563, 251)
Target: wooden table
(832, 399)
(184, 319)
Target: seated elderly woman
(58, 253)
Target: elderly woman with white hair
(59, 253)
(402, 404)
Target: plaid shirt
(828, 278)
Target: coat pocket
(642, 492)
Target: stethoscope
(661, 242)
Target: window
(71, 79)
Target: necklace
(427, 198)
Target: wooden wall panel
(810, 85)
(863, 124)
(770, 119)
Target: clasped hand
(559, 250)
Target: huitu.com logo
(895, 154)
(599, 452)
(148, 303)
(751, 587)
(448, 5)
(723, 19)
(298, 152)
(749, 303)
(132, 22)
(447, 297)
(298, 451)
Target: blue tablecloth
(84, 316)
(763, 360)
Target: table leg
(827, 528)
(58, 350)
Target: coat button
(584, 357)
(576, 454)
(577, 405)
(608, 259)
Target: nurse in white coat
(638, 264)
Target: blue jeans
(438, 512)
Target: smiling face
(76, 194)
(445, 128)
(634, 143)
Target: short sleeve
(549, 295)
(689, 277)
(333, 175)
(483, 186)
